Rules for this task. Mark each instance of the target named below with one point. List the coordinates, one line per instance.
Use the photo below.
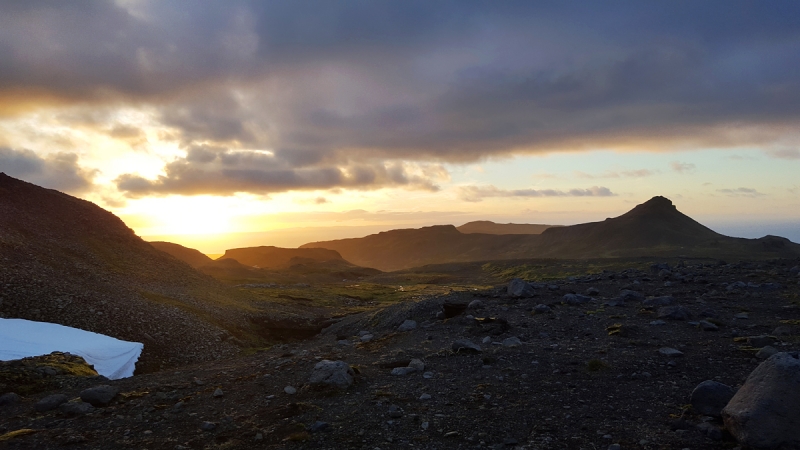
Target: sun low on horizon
(217, 125)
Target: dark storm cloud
(57, 171)
(478, 193)
(329, 87)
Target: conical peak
(655, 205)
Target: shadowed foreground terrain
(547, 372)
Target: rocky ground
(519, 366)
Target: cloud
(784, 153)
(478, 193)
(640, 173)
(682, 167)
(207, 170)
(741, 192)
(57, 171)
(371, 83)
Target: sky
(216, 124)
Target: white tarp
(110, 357)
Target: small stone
(592, 291)
(407, 325)
(218, 393)
(465, 346)
(576, 299)
(742, 315)
(424, 397)
(541, 309)
(671, 352)
(208, 426)
(417, 365)
(424, 425)
(50, 402)
(656, 323)
(258, 437)
(708, 326)
(486, 340)
(318, 426)
(512, 342)
(290, 390)
(658, 301)
(403, 371)
(614, 447)
(366, 338)
(674, 313)
(427, 375)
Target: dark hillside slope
(188, 255)
(654, 228)
(66, 260)
(403, 249)
(489, 227)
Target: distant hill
(67, 261)
(188, 255)
(489, 227)
(654, 228)
(268, 257)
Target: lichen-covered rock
(764, 413)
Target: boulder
(78, 408)
(763, 413)
(520, 288)
(99, 396)
(9, 399)
(328, 373)
(50, 402)
(709, 397)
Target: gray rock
(424, 397)
(795, 270)
(512, 342)
(541, 309)
(336, 374)
(465, 346)
(403, 371)
(766, 352)
(366, 338)
(475, 304)
(99, 396)
(708, 326)
(520, 288)
(760, 341)
(407, 325)
(318, 426)
(656, 323)
(668, 351)
(782, 331)
(417, 364)
(736, 286)
(290, 390)
(711, 431)
(9, 399)
(76, 408)
(576, 299)
(208, 426)
(50, 402)
(652, 302)
(218, 392)
(741, 315)
(674, 313)
(763, 413)
(592, 291)
(709, 397)
(629, 295)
